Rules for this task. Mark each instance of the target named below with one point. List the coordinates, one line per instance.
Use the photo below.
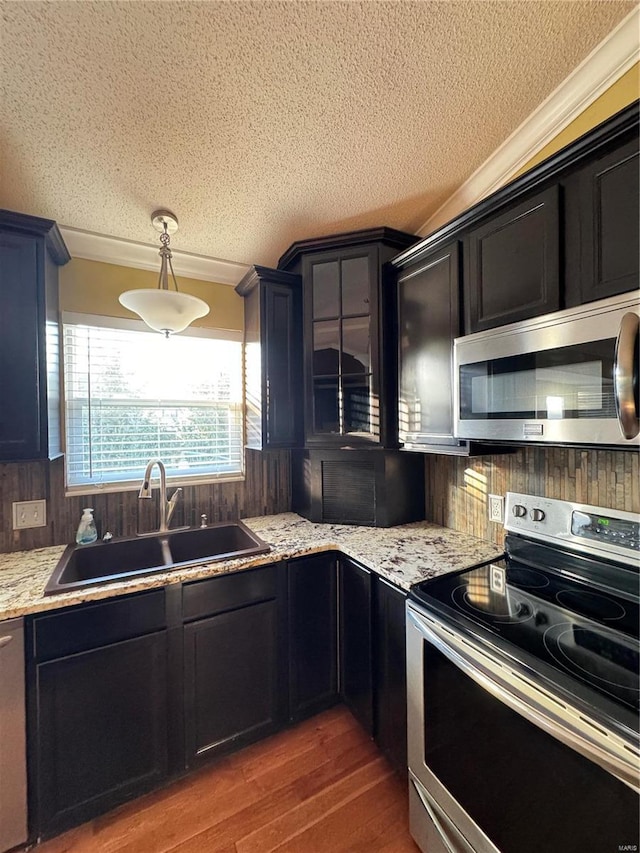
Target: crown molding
(612, 58)
(127, 253)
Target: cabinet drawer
(227, 592)
(91, 625)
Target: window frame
(120, 323)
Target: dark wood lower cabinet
(232, 694)
(313, 661)
(391, 673)
(101, 730)
(127, 692)
(356, 675)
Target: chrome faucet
(167, 507)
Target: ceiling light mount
(163, 310)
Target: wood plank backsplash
(457, 488)
(265, 490)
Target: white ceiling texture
(260, 123)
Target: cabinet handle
(4, 641)
(623, 375)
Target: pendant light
(164, 310)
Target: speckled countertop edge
(404, 555)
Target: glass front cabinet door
(343, 400)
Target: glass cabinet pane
(326, 408)
(356, 401)
(355, 286)
(326, 290)
(356, 357)
(326, 347)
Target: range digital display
(624, 534)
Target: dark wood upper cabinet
(31, 249)
(349, 336)
(273, 357)
(603, 226)
(428, 321)
(512, 264)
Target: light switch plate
(496, 508)
(29, 514)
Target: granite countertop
(404, 555)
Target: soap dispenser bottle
(87, 532)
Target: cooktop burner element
(526, 577)
(607, 661)
(591, 603)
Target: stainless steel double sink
(103, 562)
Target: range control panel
(596, 530)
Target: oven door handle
(624, 368)
(518, 693)
(430, 808)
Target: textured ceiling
(260, 123)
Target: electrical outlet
(496, 508)
(29, 514)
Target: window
(131, 395)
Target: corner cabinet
(349, 339)
(31, 250)
(273, 357)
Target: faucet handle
(174, 497)
(203, 520)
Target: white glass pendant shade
(164, 311)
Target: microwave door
(566, 381)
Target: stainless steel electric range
(524, 693)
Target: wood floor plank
(320, 787)
(349, 826)
(273, 834)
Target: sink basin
(103, 562)
(220, 542)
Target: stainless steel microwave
(565, 378)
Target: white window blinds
(133, 395)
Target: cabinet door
(101, 729)
(512, 267)
(391, 674)
(312, 635)
(356, 677)
(282, 392)
(605, 198)
(232, 692)
(342, 340)
(22, 416)
(428, 321)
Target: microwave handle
(623, 375)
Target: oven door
(569, 377)
(498, 764)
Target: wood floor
(321, 787)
